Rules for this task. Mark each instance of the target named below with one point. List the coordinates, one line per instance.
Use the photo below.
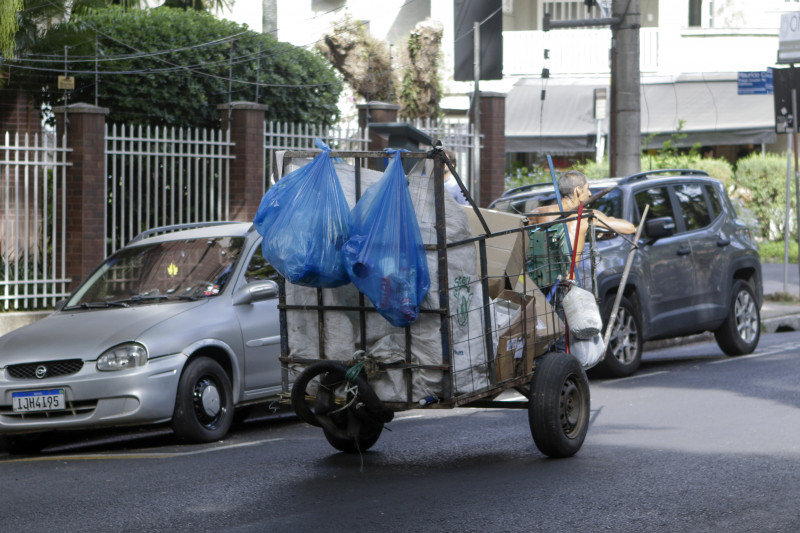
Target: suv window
(658, 199)
(716, 204)
(610, 204)
(694, 208)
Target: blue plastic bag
(385, 256)
(304, 220)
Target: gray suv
(696, 268)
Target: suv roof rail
(176, 227)
(525, 188)
(647, 173)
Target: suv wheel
(741, 330)
(624, 350)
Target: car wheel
(559, 408)
(204, 405)
(23, 444)
(741, 330)
(624, 350)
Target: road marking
(637, 376)
(108, 456)
(786, 347)
(743, 357)
(399, 418)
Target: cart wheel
(307, 405)
(368, 435)
(558, 410)
(350, 414)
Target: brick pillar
(18, 114)
(493, 152)
(247, 179)
(86, 187)
(376, 112)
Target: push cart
(348, 371)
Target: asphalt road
(695, 441)
(775, 275)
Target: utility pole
(625, 136)
(625, 131)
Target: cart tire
(332, 373)
(558, 410)
(300, 404)
(366, 439)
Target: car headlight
(121, 357)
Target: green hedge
(760, 186)
(772, 251)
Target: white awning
(712, 111)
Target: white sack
(583, 316)
(588, 351)
(385, 342)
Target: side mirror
(659, 227)
(255, 292)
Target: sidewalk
(780, 315)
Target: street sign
(785, 79)
(756, 82)
(66, 82)
(600, 104)
(789, 38)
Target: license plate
(38, 400)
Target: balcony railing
(578, 52)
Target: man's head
(573, 185)
(451, 155)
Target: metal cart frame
(555, 387)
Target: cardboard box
(505, 254)
(541, 328)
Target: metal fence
(287, 136)
(458, 137)
(32, 221)
(155, 177)
(164, 176)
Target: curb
(781, 323)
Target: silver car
(178, 326)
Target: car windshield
(165, 271)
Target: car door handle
(723, 242)
(684, 251)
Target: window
(658, 200)
(610, 204)
(259, 269)
(161, 271)
(694, 208)
(695, 12)
(716, 204)
(701, 13)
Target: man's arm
(617, 224)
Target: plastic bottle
(430, 399)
